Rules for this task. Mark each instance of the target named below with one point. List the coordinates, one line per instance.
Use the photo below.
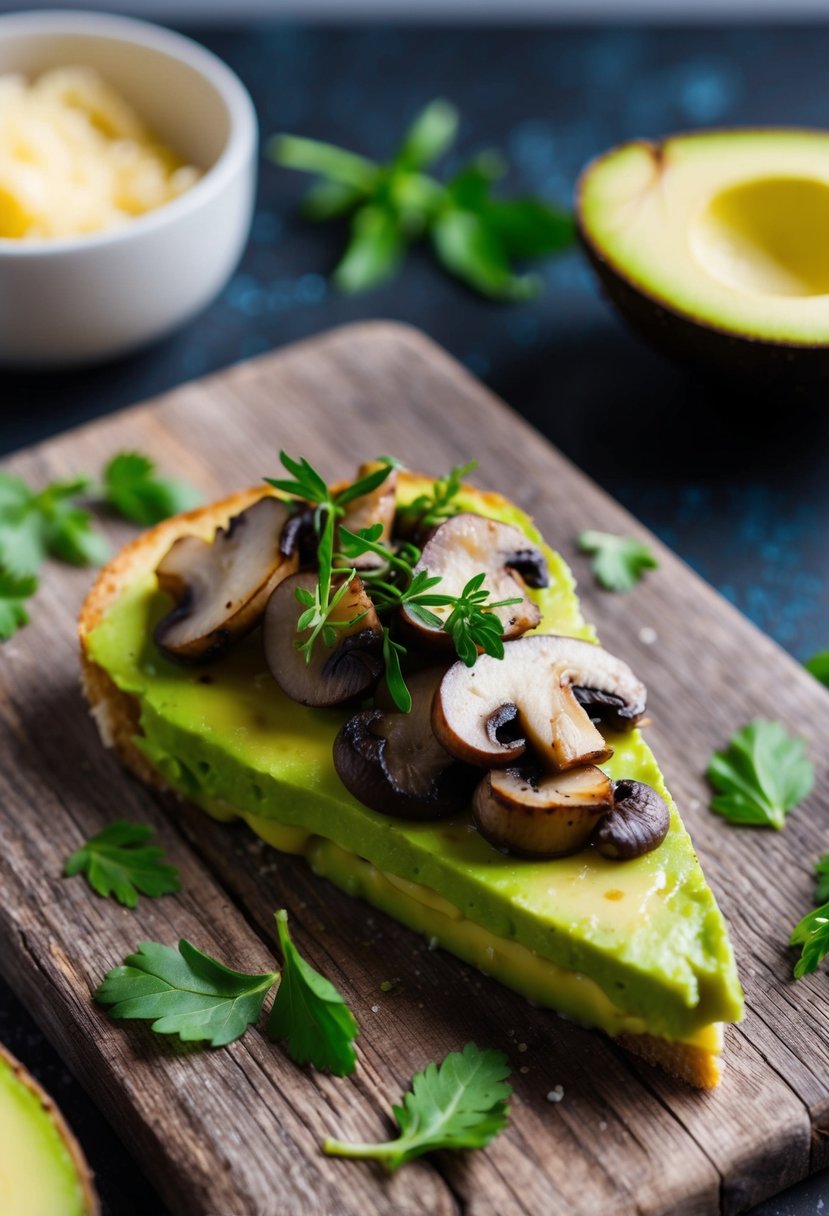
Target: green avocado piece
(648, 931)
(713, 243)
(41, 1170)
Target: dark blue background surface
(736, 483)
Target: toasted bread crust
(116, 713)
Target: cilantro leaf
(818, 665)
(460, 1103)
(14, 591)
(812, 935)
(49, 521)
(619, 561)
(822, 875)
(374, 250)
(309, 1015)
(116, 862)
(474, 235)
(133, 489)
(761, 776)
(185, 992)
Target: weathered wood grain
(237, 1131)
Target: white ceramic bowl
(92, 297)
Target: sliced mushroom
(537, 815)
(376, 507)
(221, 587)
(637, 824)
(465, 546)
(336, 674)
(392, 762)
(491, 713)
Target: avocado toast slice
(637, 948)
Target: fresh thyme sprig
(428, 510)
(471, 622)
(394, 582)
(319, 605)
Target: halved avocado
(713, 244)
(42, 1169)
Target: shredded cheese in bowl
(75, 158)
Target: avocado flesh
(39, 1175)
(725, 228)
(646, 934)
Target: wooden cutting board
(236, 1132)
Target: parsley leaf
(818, 665)
(761, 776)
(49, 521)
(475, 236)
(14, 591)
(618, 561)
(822, 875)
(812, 935)
(132, 488)
(309, 1015)
(460, 1103)
(118, 862)
(185, 992)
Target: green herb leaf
(461, 1103)
(14, 591)
(185, 992)
(619, 561)
(431, 134)
(395, 681)
(309, 1015)
(374, 251)
(761, 776)
(474, 235)
(364, 485)
(528, 228)
(49, 521)
(315, 156)
(440, 503)
(305, 483)
(818, 665)
(822, 873)
(132, 488)
(812, 935)
(117, 861)
(471, 249)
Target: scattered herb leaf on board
(15, 590)
(118, 861)
(812, 935)
(309, 1016)
(185, 992)
(460, 1103)
(133, 488)
(618, 561)
(761, 776)
(818, 665)
(822, 874)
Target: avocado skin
(734, 356)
